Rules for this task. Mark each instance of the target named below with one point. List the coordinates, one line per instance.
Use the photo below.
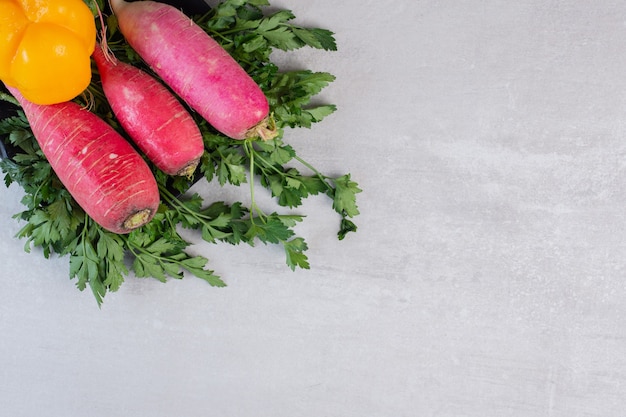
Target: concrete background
(487, 277)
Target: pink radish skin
(151, 115)
(99, 168)
(196, 67)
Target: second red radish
(151, 115)
(196, 67)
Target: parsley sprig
(101, 260)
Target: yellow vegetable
(45, 48)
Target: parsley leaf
(295, 249)
(96, 259)
(165, 257)
(345, 195)
(290, 94)
(317, 38)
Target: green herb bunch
(101, 260)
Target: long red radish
(196, 67)
(99, 168)
(151, 115)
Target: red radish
(151, 115)
(100, 169)
(196, 67)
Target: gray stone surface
(487, 277)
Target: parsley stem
(177, 205)
(36, 198)
(220, 35)
(267, 163)
(274, 168)
(321, 176)
(311, 167)
(249, 148)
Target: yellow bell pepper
(45, 48)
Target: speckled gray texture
(487, 277)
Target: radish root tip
(266, 129)
(189, 169)
(137, 219)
